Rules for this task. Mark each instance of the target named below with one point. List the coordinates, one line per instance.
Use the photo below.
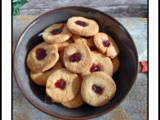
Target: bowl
(32, 35)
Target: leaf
(16, 4)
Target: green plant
(16, 4)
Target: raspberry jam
(83, 24)
(56, 31)
(41, 53)
(106, 43)
(75, 57)
(60, 84)
(97, 89)
(95, 68)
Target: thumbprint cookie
(56, 33)
(98, 89)
(77, 57)
(82, 26)
(100, 62)
(62, 85)
(42, 57)
(106, 44)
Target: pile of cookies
(76, 63)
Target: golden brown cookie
(41, 77)
(56, 33)
(62, 85)
(100, 62)
(82, 26)
(76, 102)
(98, 89)
(62, 45)
(82, 39)
(77, 57)
(42, 57)
(106, 44)
(116, 64)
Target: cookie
(77, 57)
(116, 64)
(106, 44)
(42, 57)
(41, 77)
(82, 39)
(62, 45)
(82, 26)
(56, 33)
(62, 85)
(100, 62)
(98, 89)
(76, 102)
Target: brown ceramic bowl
(32, 35)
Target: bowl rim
(77, 118)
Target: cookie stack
(76, 63)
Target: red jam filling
(41, 53)
(83, 24)
(95, 68)
(97, 89)
(57, 31)
(106, 43)
(60, 84)
(75, 57)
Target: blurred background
(116, 8)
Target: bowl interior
(32, 36)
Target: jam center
(106, 43)
(57, 31)
(75, 57)
(81, 23)
(41, 53)
(60, 84)
(97, 89)
(95, 68)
